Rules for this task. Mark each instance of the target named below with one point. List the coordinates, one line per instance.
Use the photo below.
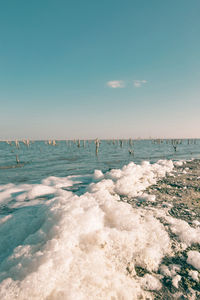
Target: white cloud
(116, 84)
(121, 83)
(139, 83)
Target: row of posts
(120, 142)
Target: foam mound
(83, 247)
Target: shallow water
(70, 232)
(40, 160)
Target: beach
(76, 224)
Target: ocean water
(77, 224)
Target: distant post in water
(97, 146)
(17, 159)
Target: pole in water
(17, 159)
(97, 145)
(131, 152)
(17, 143)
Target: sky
(106, 69)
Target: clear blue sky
(107, 68)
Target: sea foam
(83, 247)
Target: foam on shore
(83, 247)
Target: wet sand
(179, 195)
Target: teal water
(41, 160)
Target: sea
(100, 219)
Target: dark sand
(180, 191)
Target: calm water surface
(41, 160)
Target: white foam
(147, 197)
(87, 255)
(98, 175)
(40, 190)
(196, 222)
(175, 281)
(133, 179)
(178, 163)
(84, 247)
(169, 271)
(184, 231)
(7, 191)
(151, 283)
(194, 275)
(194, 259)
(165, 271)
(58, 182)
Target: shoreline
(179, 194)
